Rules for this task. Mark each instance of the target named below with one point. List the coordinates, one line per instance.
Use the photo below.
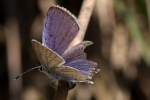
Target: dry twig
(84, 17)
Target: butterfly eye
(71, 85)
(43, 68)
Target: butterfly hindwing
(86, 67)
(72, 74)
(76, 52)
(46, 55)
(60, 29)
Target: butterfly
(57, 60)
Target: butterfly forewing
(47, 56)
(60, 29)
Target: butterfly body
(59, 62)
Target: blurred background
(120, 30)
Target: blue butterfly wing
(86, 67)
(76, 52)
(59, 30)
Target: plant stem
(62, 91)
(84, 17)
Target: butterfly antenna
(29, 70)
